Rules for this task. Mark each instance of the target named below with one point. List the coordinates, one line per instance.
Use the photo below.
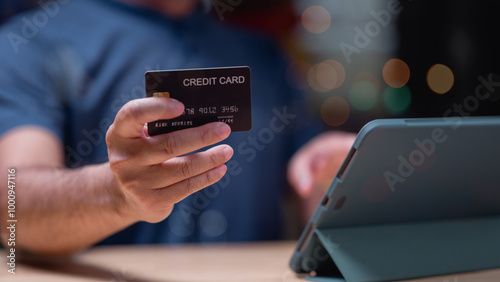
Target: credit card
(209, 95)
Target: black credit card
(209, 95)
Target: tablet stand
(406, 250)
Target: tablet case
(414, 198)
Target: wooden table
(264, 262)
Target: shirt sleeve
(27, 92)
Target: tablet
(413, 198)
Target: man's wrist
(119, 205)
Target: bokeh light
(330, 74)
(396, 73)
(397, 100)
(316, 19)
(335, 111)
(363, 95)
(440, 78)
(213, 223)
(312, 81)
(296, 74)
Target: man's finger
(166, 146)
(300, 174)
(179, 169)
(177, 192)
(131, 118)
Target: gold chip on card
(161, 94)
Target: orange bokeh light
(440, 78)
(335, 111)
(330, 74)
(316, 19)
(396, 73)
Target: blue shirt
(71, 66)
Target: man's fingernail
(223, 130)
(176, 105)
(228, 153)
(304, 182)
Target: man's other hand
(318, 161)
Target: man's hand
(313, 167)
(64, 210)
(318, 161)
(150, 172)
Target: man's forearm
(62, 210)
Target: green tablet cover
(414, 198)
